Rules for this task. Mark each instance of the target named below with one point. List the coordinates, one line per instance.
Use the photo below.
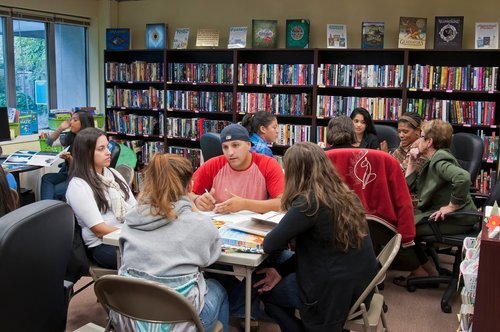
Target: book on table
(235, 240)
(248, 222)
(33, 158)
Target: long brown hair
(165, 181)
(82, 166)
(310, 175)
(8, 198)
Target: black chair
(210, 145)
(388, 134)
(35, 246)
(447, 277)
(468, 150)
(114, 148)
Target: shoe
(402, 281)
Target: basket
(468, 268)
(46, 148)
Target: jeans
(54, 185)
(104, 255)
(216, 306)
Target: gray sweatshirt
(168, 248)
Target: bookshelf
(203, 90)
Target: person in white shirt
(98, 195)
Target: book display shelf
(198, 91)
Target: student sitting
(97, 194)
(239, 179)
(8, 197)
(334, 259)
(366, 135)
(340, 133)
(54, 185)
(263, 129)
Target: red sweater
(376, 177)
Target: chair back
(377, 179)
(210, 145)
(35, 246)
(388, 134)
(385, 259)
(127, 172)
(114, 148)
(145, 300)
(468, 150)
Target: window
(71, 65)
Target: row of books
(137, 71)
(289, 134)
(151, 98)
(453, 78)
(193, 128)
(220, 73)
(192, 154)
(486, 181)
(200, 101)
(455, 111)
(366, 76)
(275, 74)
(380, 108)
(279, 104)
(490, 144)
(134, 124)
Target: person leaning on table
(239, 179)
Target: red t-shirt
(263, 179)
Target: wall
(221, 14)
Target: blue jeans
(104, 255)
(216, 306)
(54, 185)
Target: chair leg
(384, 322)
(452, 286)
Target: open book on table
(249, 222)
(36, 158)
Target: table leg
(248, 297)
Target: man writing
(239, 179)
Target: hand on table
(233, 204)
(206, 201)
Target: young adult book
(264, 33)
(207, 37)
(372, 35)
(156, 35)
(36, 158)
(258, 224)
(181, 37)
(486, 35)
(448, 31)
(28, 123)
(237, 37)
(236, 240)
(336, 36)
(118, 39)
(412, 32)
(297, 33)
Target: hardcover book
(412, 32)
(336, 36)
(448, 31)
(297, 33)
(487, 35)
(156, 35)
(372, 35)
(237, 37)
(264, 33)
(118, 39)
(181, 37)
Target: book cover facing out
(372, 35)
(336, 36)
(117, 39)
(264, 33)
(486, 35)
(448, 31)
(412, 32)
(297, 33)
(156, 35)
(181, 38)
(237, 37)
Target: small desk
(247, 261)
(17, 170)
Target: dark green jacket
(440, 182)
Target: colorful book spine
(362, 76)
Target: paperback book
(36, 158)
(237, 37)
(336, 36)
(412, 32)
(487, 35)
(156, 35)
(297, 33)
(372, 35)
(448, 31)
(118, 39)
(236, 240)
(258, 224)
(181, 37)
(264, 33)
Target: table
(247, 261)
(17, 170)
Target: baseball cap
(234, 132)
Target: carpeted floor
(408, 312)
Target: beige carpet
(408, 312)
